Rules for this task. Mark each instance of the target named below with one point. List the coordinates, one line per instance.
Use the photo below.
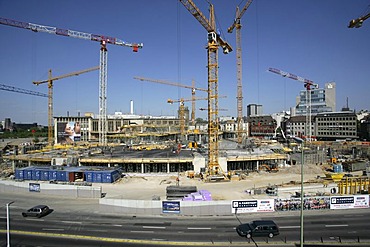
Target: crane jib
(69, 33)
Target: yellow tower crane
(237, 25)
(50, 81)
(182, 110)
(214, 42)
(176, 84)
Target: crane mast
(237, 25)
(214, 42)
(104, 40)
(50, 82)
(308, 84)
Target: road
(76, 222)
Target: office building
(322, 100)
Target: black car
(258, 228)
(37, 211)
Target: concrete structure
(121, 127)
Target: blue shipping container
(107, 177)
(36, 174)
(89, 176)
(97, 177)
(28, 174)
(44, 175)
(53, 175)
(62, 176)
(19, 174)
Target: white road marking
(143, 231)
(335, 225)
(289, 227)
(35, 219)
(72, 222)
(199, 228)
(155, 227)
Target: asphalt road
(83, 223)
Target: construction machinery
(50, 81)
(308, 84)
(237, 25)
(182, 111)
(269, 167)
(214, 170)
(176, 84)
(20, 90)
(103, 40)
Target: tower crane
(182, 110)
(214, 42)
(50, 81)
(176, 84)
(20, 90)
(308, 84)
(104, 40)
(237, 25)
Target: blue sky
(308, 38)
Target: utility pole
(7, 224)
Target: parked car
(258, 228)
(37, 211)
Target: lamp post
(300, 141)
(302, 196)
(7, 224)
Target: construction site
(177, 147)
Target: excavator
(269, 168)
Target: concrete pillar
(142, 167)
(168, 167)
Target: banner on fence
(254, 205)
(171, 207)
(343, 202)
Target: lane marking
(335, 225)
(53, 229)
(155, 227)
(118, 225)
(289, 227)
(30, 219)
(143, 231)
(199, 228)
(72, 222)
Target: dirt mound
(307, 169)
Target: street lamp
(300, 141)
(7, 224)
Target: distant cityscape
(326, 123)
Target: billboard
(68, 132)
(171, 207)
(33, 187)
(343, 202)
(252, 206)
